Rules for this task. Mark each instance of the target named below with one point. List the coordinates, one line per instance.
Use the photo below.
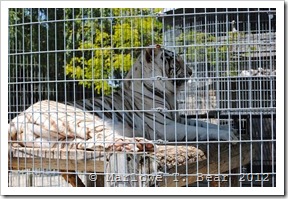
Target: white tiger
(143, 108)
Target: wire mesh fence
(204, 99)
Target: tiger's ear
(148, 53)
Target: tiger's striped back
(147, 89)
(145, 106)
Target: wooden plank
(54, 153)
(92, 166)
(171, 159)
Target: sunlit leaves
(204, 48)
(100, 42)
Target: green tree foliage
(197, 50)
(99, 43)
(36, 47)
(203, 47)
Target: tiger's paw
(133, 145)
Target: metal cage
(232, 55)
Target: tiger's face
(167, 64)
(162, 65)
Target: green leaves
(204, 48)
(99, 43)
(201, 46)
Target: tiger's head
(163, 67)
